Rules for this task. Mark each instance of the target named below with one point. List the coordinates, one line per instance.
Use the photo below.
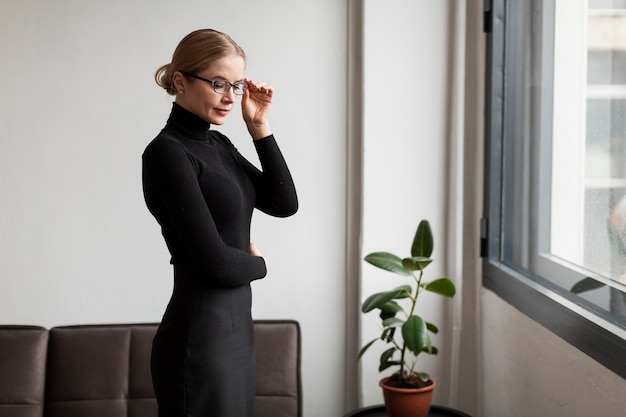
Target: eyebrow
(219, 77)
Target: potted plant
(406, 332)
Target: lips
(222, 112)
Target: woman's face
(199, 97)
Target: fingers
(256, 106)
(254, 250)
(262, 88)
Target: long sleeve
(175, 197)
(275, 190)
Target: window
(555, 220)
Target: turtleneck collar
(190, 125)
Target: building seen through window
(588, 186)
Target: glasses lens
(221, 87)
(240, 88)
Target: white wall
(531, 372)
(406, 129)
(77, 108)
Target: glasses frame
(238, 86)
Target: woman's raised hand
(256, 106)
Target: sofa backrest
(23, 352)
(100, 371)
(104, 370)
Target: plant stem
(417, 291)
(414, 300)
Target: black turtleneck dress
(202, 192)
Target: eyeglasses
(221, 86)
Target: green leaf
(386, 365)
(385, 359)
(428, 348)
(414, 334)
(433, 350)
(378, 300)
(387, 261)
(364, 348)
(384, 315)
(587, 284)
(442, 286)
(423, 376)
(391, 308)
(423, 242)
(415, 263)
(386, 355)
(393, 322)
(388, 334)
(432, 328)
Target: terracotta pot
(407, 402)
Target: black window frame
(563, 313)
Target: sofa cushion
(22, 370)
(100, 371)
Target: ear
(178, 81)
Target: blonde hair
(194, 53)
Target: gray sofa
(104, 370)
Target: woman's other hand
(254, 251)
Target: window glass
(604, 152)
(563, 218)
(554, 232)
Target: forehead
(229, 67)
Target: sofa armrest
(278, 379)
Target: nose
(230, 95)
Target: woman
(202, 192)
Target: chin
(218, 121)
